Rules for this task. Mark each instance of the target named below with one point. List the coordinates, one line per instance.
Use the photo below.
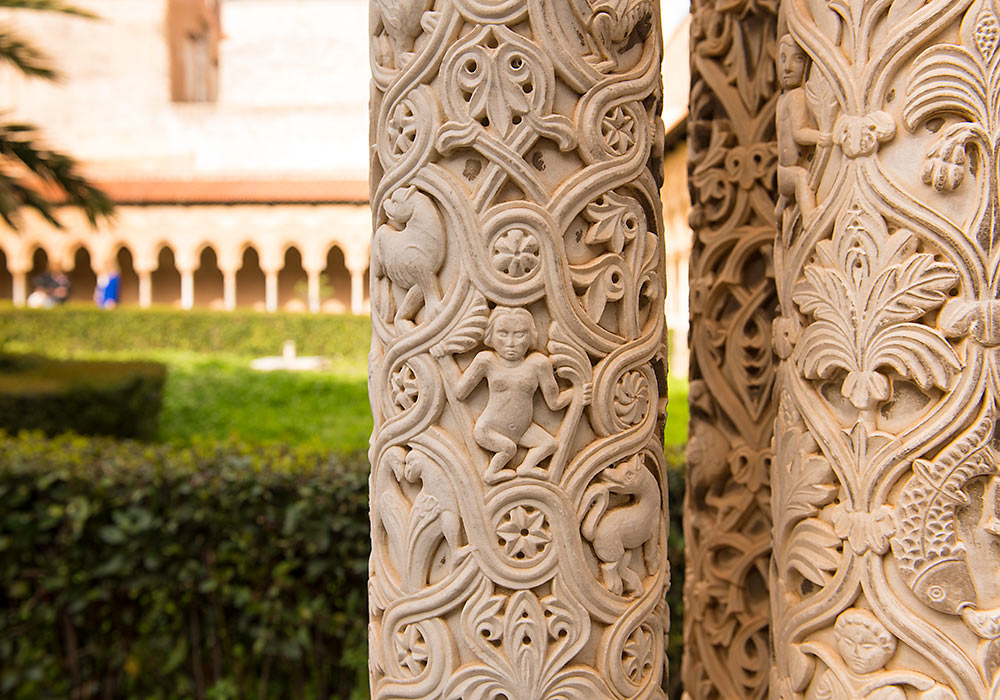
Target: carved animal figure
(614, 532)
(408, 251)
(614, 21)
(401, 21)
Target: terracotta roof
(235, 191)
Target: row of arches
(333, 289)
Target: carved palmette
(731, 150)
(517, 372)
(885, 481)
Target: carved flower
(631, 397)
(864, 530)
(516, 253)
(618, 130)
(404, 386)
(524, 532)
(412, 650)
(637, 656)
(403, 127)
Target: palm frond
(35, 177)
(47, 6)
(25, 57)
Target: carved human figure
(408, 251)
(513, 374)
(615, 531)
(795, 129)
(865, 647)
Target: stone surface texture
(727, 521)
(884, 489)
(517, 372)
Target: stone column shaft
(229, 289)
(885, 481)
(271, 290)
(145, 288)
(313, 277)
(731, 151)
(187, 289)
(517, 371)
(357, 292)
(20, 288)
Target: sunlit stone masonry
(885, 482)
(517, 372)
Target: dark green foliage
(71, 330)
(675, 554)
(151, 573)
(121, 399)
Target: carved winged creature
(614, 21)
(408, 251)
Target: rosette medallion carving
(885, 478)
(517, 371)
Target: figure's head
(792, 63)
(864, 642)
(415, 463)
(511, 332)
(395, 457)
(399, 206)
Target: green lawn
(215, 395)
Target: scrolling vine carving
(517, 371)
(733, 162)
(886, 472)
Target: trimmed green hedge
(121, 399)
(74, 329)
(151, 573)
(141, 572)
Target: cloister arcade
(296, 258)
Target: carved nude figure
(408, 251)
(795, 129)
(513, 374)
(615, 531)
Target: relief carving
(517, 372)
(885, 478)
(735, 170)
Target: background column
(727, 533)
(517, 372)
(885, 476)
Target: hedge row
(121, 399)
(139, 572)
(152, 573)
(67, 330)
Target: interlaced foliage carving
(886, 476)
(732, 161)
(517, 371)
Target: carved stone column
(517, 372)
(727, 526)
(886, 552)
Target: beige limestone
(884, 488)
(517, 373)
(732, 157)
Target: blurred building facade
(232, 134)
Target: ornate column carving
(885, 478)
(732, 156)
(517, 372)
